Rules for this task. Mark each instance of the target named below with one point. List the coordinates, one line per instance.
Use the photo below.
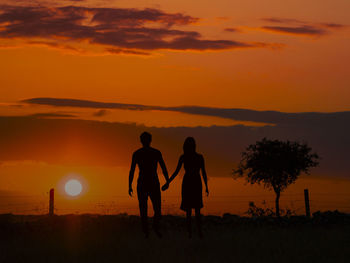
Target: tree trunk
(278, 194)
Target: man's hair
(146, 138)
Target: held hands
(207, 191)
(165, 186)
(130, 191)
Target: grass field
(98, 238)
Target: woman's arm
(166, 185)
(178, 168)
(204, 175)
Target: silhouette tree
(275, 164)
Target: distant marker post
(307, 202)
(51, 203)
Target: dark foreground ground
(89, 238)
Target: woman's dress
(192, 182)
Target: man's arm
(131, 173)
(164, 170)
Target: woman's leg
(199, 221)
(188, 220)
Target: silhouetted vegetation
(230, 238)
(276, 164)
(256, 211)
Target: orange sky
(289, 56)
(295, 72)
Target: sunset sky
(80, 80)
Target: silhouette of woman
(192, 184)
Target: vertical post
(51, 204)
(307, 202)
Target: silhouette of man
(147, 159)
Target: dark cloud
(100, 113)
(272, 117)
(52, 115)
(299, 27)
(282, 20)
(127, 52)
(85, 104)
(232, 29)
(300, 30)
(53, 45)
(124, 30)
(334, 26)
(136, 17)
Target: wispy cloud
(54, 45)
(299, 27)
(333, 25)
(281, 20)
(52, 115)
(100, 113)
(272, 117)
(300, 30)
(61, 102)
(232, 30)
(122, 51)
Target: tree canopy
(275, 164)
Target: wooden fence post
(307, 202)
(51, 204)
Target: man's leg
(156, 203)
(142, 196)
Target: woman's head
(189, 145)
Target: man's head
(146, 139)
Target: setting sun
(73, 187)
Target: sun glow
(73, 187)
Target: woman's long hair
(189, 146)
